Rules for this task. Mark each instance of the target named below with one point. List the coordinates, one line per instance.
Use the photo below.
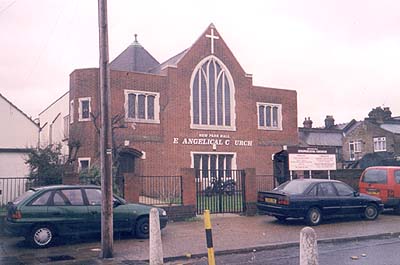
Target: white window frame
(379, 144)
(71, 111)
(66, 121)
(156, 96)
(357, 146)
(83, 159)
(234, 154)
(81, 109)
(228, 76)
(265, 127)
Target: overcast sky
(342, 57)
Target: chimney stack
(329, 122)
(307, 123)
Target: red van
(382, 182)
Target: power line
(7, 7)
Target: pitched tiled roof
(170, 62)
(393, 128)
(321, 137)
(135, 58)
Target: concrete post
(156, 251)
(308, 247)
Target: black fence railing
(13, 187)
(220, 191)
(161, 190)
(265, 182)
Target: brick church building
(199, 109)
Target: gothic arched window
(212, 96)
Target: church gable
(210, 43)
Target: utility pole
(105, 137)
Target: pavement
(185, 240)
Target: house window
(71, 111)
(209, 163)
(212, 96)
(83, 164)
(51, 134)
(354, 147)
(84, 109)
(142, 106)
(66, 127)
(379, 144)
(269, 116)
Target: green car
(41, 214)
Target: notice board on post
(311, 158)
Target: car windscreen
(23, 196)
(293, 187)
(375, 176)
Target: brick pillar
(188, 186)
(251, 191)
(70, 177)
(131, 187)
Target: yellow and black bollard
(210, 248)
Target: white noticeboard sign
(312, 159)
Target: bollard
(210, 248)
(308, 247)
(156, 252)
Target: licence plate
(270, 200)
(373, 192)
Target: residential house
(19, 134)
(54, 124)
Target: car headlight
(163, 212)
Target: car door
(68, 211)
(121, 215)
(328, 199)
(350, 203)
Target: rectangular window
(66, 127)
(71, 111)
(142, 106)
(354, 147)
(84, 109)
(83, 163)
(51, 134)
(269, 116)
(379, 144)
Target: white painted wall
(18, 131)
(54, 115)
(13, 164)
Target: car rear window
(23, 196)
(293, 187)
(375, 176)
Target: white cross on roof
(212, 37)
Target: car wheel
(41, 236)
(142, 228)
(371, 212)
(314, 216)
(280, 218)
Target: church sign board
(311, 158)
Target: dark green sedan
(41, 214)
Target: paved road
(230, 233)
(365, 252)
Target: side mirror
(356, 194)
(116, 203)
